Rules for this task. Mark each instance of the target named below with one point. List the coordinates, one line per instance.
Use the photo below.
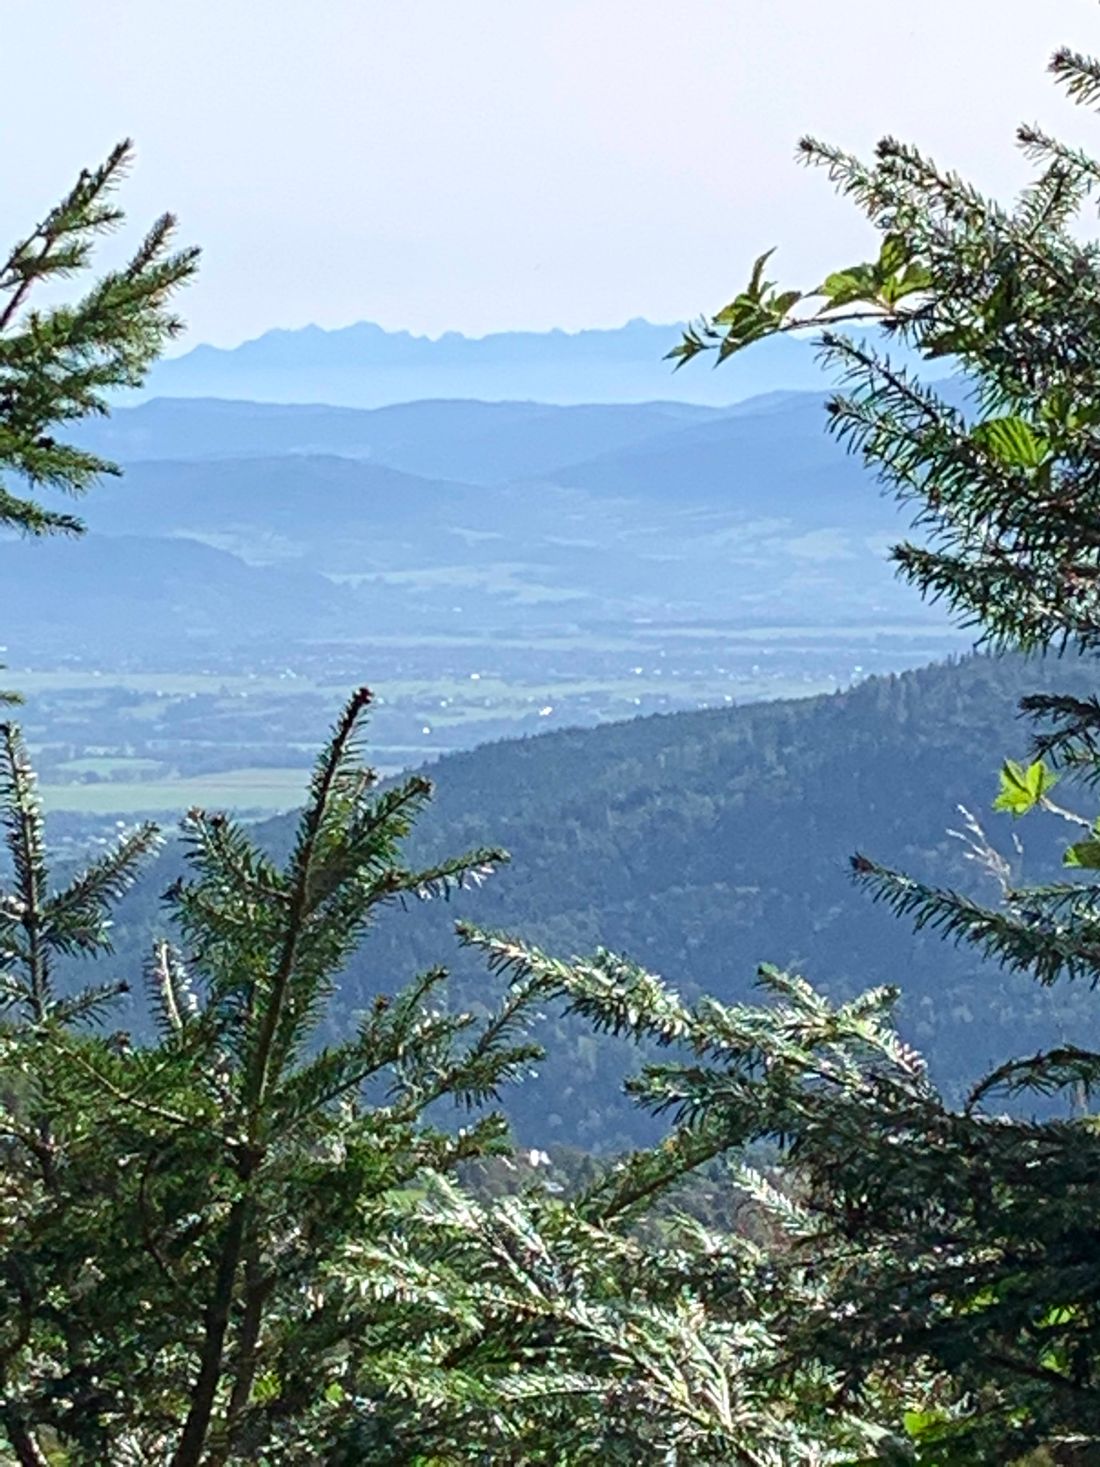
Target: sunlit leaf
(1013, 442)
(844, 287)
(1085, 855)
(893, 255)
(1023, 787)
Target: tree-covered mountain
(704, 843)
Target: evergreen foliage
(959, 1243)
(59, 362)
(237, 1244)
(181, 1206)
(1006, 487)
(700, 841)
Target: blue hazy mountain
(476, 442)
(366, 366)
(550, 517)
(103, 593)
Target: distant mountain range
(366, 366)
(502, 515)
(474, 442)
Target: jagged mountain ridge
(363, 365)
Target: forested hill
(704, 843)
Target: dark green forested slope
(704, 843)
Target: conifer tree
(954, 1249)
(234, 1245)
(178, 1209)
(937, 1294)
(58, 363)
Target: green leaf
(781, 304)
(918, 1423)
(1085, 855)
(266, 1388)
(1022, 788)
(756, 284)
(1060, 1314)
(743, 334)
(896, 285)
(844, 287)
(983, 1299)
(728, 314)
(893, 256)
(916, 277)
(1013, 442)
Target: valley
(677, 557)
(233, 732)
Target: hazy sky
(488, 164)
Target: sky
(487, 165)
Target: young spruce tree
(937, 1300)
(954, 1249)
(58, 363)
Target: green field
(166, 684)
(108, 764)
(241, 789)
(118, 742)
